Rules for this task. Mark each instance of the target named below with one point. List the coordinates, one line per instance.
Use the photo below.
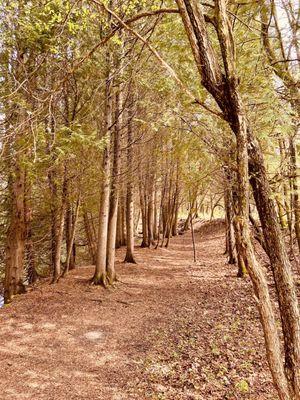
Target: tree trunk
(229, 211)
(258, 235)
(72, 237)
(15, 239)
(295, 193)
(90, 237)
(265, 306)
(129, 257)
(119, 227)
(123, 222)
(114, 192)
(150, 214)
(100, 276)
(193, 241)
(281, 266)
(155, 221)
(224, 88)
(176, 203)
(59, 225)
(69, 225)
(29, 246)
(144, 210)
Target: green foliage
(242, 386)
(53, 77)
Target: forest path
(171, 329)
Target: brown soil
(170, 329)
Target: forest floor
(170, 329)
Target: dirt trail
(169, 330)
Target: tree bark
(224, 89)
(29, 246)
(59, 229)
(229, 211)
(15, 239)
(91, 240)
(281, 266)
(114, 192)
(72, 237)
(295, 188)
(129, 257)
(100, 275)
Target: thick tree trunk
(111, 234)
(259, 281)
(15, 119)
(29, 246)
(100, 275)
(281, 266)
(15, 239)
(224, 88)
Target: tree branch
(166, 66)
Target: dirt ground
(170, 329)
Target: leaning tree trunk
(224, 88)
(281, 266)
(260, 284)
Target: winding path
(171, 329)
